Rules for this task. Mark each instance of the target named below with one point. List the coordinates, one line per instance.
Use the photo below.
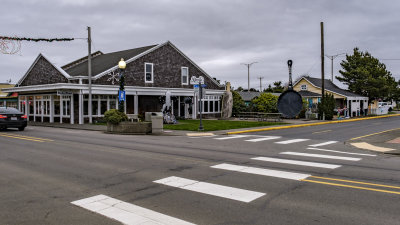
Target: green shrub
(114, 116)
(266, 103)
(326, 106)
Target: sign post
(198, 82)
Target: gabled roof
(103, 62)
(66, 75)
(329, 86)
(81, 60)
(249, 95)
(309, 94)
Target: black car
(12, 118)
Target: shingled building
(49, 93)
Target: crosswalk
(304, 160)
(274, 139)
(289, 163)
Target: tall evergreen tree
(366, 76)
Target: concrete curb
(310, 124)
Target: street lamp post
(248, 73)
(121, 102)
(332, 57)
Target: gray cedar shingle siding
(43, 73)
(167, 63)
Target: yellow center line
(351, 186)
(373, 134)
(356, 182)
(22, 136)
(324, 131)
(28, 139)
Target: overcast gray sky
(218, 34)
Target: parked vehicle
(12, 118)
(387, 105)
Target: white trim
(128, 61)
(346, 97)
(201, 70)
(65, 74)
(152, 73)
(187, 75)
(151, 50)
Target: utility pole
(322, 61)
(260, 82)
(332, 57)
(90, 75)
(248, 73)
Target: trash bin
(157, 122)
(147, 116)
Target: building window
(148, 72)
(304, 87)
(185, 75)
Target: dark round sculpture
(290, 103)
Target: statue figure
(227, 102)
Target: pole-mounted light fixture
(122, 64)
(121, 92)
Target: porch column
(99, 106)
(72, 108)
(194, 108)
(27, 107)
(61, 108)
(80, 97)
(125, 105)
(42, 107)
(348, 109)
(136, 104)
(179, 106)
(108, 102)
(51, 108)
(34, 108)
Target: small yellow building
(310, 88)
(8, 99)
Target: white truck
(386, 105)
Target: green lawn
(212, 125)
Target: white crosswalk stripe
(211, 189)
(261, 171)
(296, 162)
(349, 153)
(323, 143)
(232, 137)
(291, 141)
(126, 213)
(321, 156)
(263, 139)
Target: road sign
(196, 86)
(204, 85)
(121, 95)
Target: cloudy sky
(218, 35)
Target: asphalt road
(43, 170)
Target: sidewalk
(166, 132)
(70, 126)
(387, 142)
